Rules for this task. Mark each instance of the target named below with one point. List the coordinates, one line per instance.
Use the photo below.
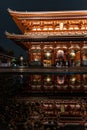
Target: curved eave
(14, 38)
(48, 13)
(27, 38)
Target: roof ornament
(9, 10)
(7, 33)
(10, 34)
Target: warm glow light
(38, 47)
(32, 48)
(45, 29)
(73, 79)
(65, 28)
(50, 28)
(76, 28)
(83, 28)
(38, 29)
(61, 26)
(48, 79)
(21, 58)
(57, 47)
(48, 54)
(72, 54)
(84, 47)
(77, 106)
(71, 28)
(36, 23)
(34, 29)
(57, 28)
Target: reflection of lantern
(72, 106)
(77, 106)
(72, 80)
(48, 79)
(36, 78)
(60, 79)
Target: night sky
(7, 24)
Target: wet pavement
(43, 70)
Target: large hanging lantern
(60, 53)
(48, 55)
(72, 54)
